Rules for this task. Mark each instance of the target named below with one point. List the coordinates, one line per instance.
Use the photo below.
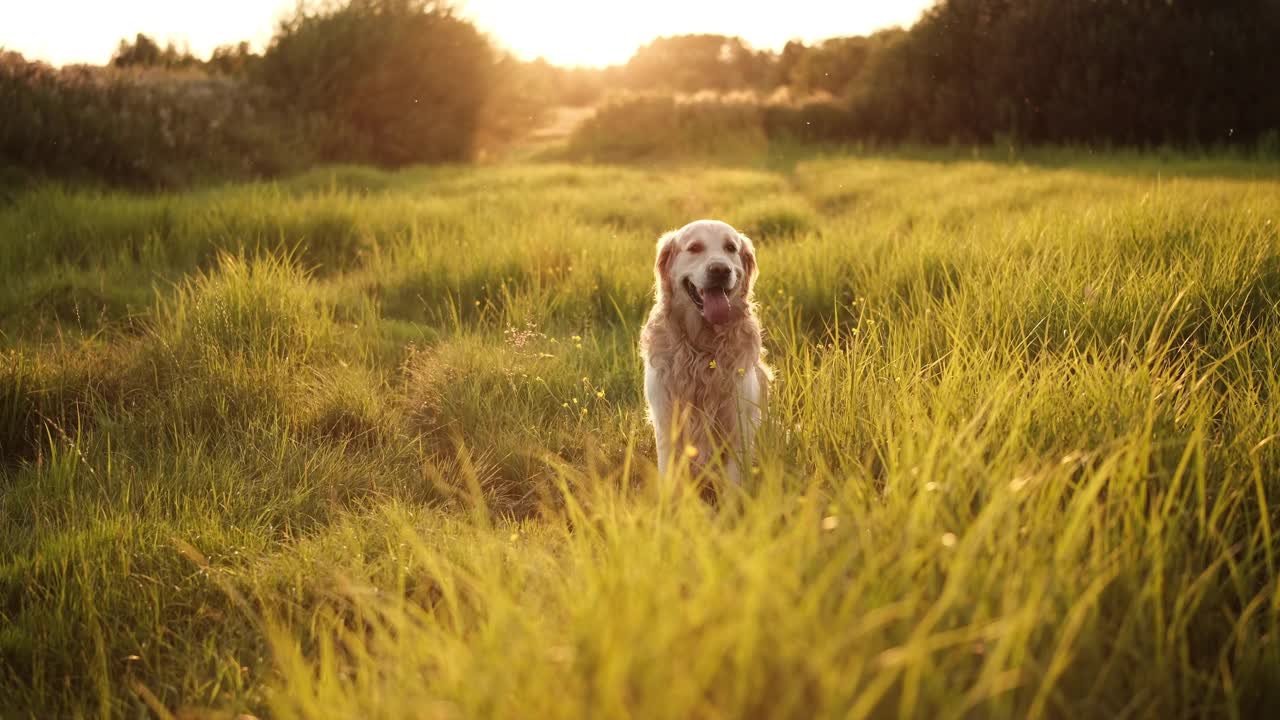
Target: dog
(705, 379)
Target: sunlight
(679, 358)
(584, 32)
(84, 31)
(566, 32)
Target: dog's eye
(730, 248)
(695, 248)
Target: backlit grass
(359, 444)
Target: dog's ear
(748, 252)
(667, 249)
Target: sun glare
(86, 31)
(564, 32)
(585, 32)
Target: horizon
(549, 30)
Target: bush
(651, 126)
(820, 119)
(734, 125)
(141, 127)
(390, 82)
(399, 81)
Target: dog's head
(707, 268)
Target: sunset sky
(566, 32)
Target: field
(360, 444)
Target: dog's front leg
(660, 415)
(748, 413)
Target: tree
(145, 52)
(1129, 72)
(835, 65)
(689, 63)
(400, 81)
(234, 59)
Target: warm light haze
(583, 32)
(565, 32)
(586, 359)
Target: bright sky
(565, 32)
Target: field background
(358, 443)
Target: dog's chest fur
(705, 373)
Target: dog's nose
(719, 274)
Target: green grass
(359, 444)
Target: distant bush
(636, 127)
(816, 119)
(141, 127)
(399, 81)
(633, 127)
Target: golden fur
(706, 384)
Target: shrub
(399, 81)
(635, 127)
(141, 127)
(391, 82)
(819, 119)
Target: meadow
(368, 444)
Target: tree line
(394, 82)
(1105, 72)
(1111, 72)
(1118, 72)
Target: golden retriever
(705, 379)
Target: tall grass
(369, 444)
(143, 128)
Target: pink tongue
(715, 307)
